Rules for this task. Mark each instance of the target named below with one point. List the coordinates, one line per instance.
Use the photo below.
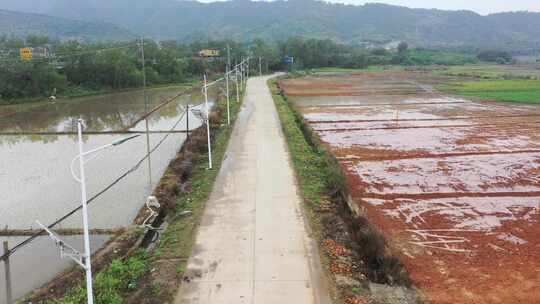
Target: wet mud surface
(453, 183)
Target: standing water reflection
(35, 179)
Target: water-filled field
(37, 145)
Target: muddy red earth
(453, 183)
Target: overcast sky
(480, 6)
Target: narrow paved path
(253, 245)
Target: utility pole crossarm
(66, 250)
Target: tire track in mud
(356, 93)
(434, 195)
(382, 104)
(420, 119)
(440, 155)
(431, 127)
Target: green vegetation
(155, 273)
(19, 24)
(176, 242)
(81, 68)
(85, 68)
(111, 284)
(314, 53)
(490, 71)
(348, 70)
(312, 171)
(380, 59)
(500, 57)
(329, 56)
(429, 57)
(505, 90)
(376, 24)
(324, 189)
(313, 174)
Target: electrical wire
(97, 195)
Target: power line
(97, 195)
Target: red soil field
(453, 184)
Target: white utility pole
(7, 270)
(237, 88)
(260, 66)
(82, 259)
(207, 123)
(242, 72)
(146, 118)
(228, 101)
(247, 69)
(87, 253)
(228, 58)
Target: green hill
(245, 20)
(22, 24)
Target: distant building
(374, 44)
(392, 46)
(42, 52)
(369, 45)
(38, 52)
(209, 53)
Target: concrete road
(253, 245)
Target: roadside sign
(26, 53)
(288, 60)
(209, 53)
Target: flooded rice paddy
(454, 184)
(37, 144)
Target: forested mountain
(22, 24)
(245, 20)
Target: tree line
(315, 53)
(78, 68)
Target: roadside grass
(373, 68)
(153, 275)
(491, 71)
(77, 92)
(168, 260)
(309, 163)
(324, 188)
(120, 277)
(72, 94)
(526, 91)
(313, 175)
(425, 57)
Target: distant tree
(29, 79)
(403, 46)
(501, 60)
(379, 52)
(268, 51)
(495, 56)
(35, 40)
